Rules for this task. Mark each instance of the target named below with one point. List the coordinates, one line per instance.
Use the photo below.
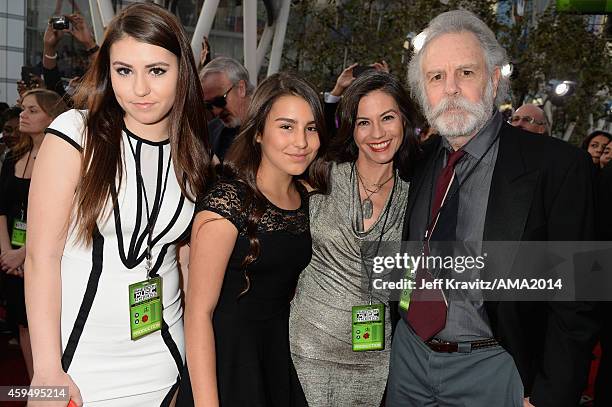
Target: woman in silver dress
(371, 158)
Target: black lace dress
(254, 367)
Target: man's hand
(346, 77)
(343, 81)
(205, 50)
(381, 66)
(527, 403)
(81, 31)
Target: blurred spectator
(531, 118)
(227, 94)
(40, 106)
(595, 143)
(606, 156)
(10, 130)
(80, 30)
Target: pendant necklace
(367, 207)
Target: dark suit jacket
(220, 138)
(541, 190)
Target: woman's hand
(56, 379)
(11, 260)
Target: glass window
(71, 61)
(226, 37)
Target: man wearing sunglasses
(227, 94)
(531, 118)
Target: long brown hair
(244, 156)
(49, 102)
(150, 24)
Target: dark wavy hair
(150, 24)
(343, 147)
(244, 156)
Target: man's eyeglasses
(526, 119)
(218, 101)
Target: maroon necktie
(427, 310)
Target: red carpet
(12, 368)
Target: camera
(60, 23)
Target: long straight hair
(243, 159)
(102, 163)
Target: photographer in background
(76, 25)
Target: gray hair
(457, 21)
(234, 70)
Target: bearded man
(484, 180)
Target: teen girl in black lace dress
(250, 241)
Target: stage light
(562, 89)
(507, 69)
(559, 91)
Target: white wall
(12, 34)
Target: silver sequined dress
(320, 321)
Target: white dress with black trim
(108, 367)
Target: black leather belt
(462, 347)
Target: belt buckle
(464, 347)
(441, 346)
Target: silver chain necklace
(367, 207)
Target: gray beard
(234, 123)
(468, 121)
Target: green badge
(368, 327)
(18, 236)
(145, 307)
(405, 296)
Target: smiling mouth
(378, 147)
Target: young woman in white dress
(111, 202)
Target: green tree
(324, 39)
(561, 47)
